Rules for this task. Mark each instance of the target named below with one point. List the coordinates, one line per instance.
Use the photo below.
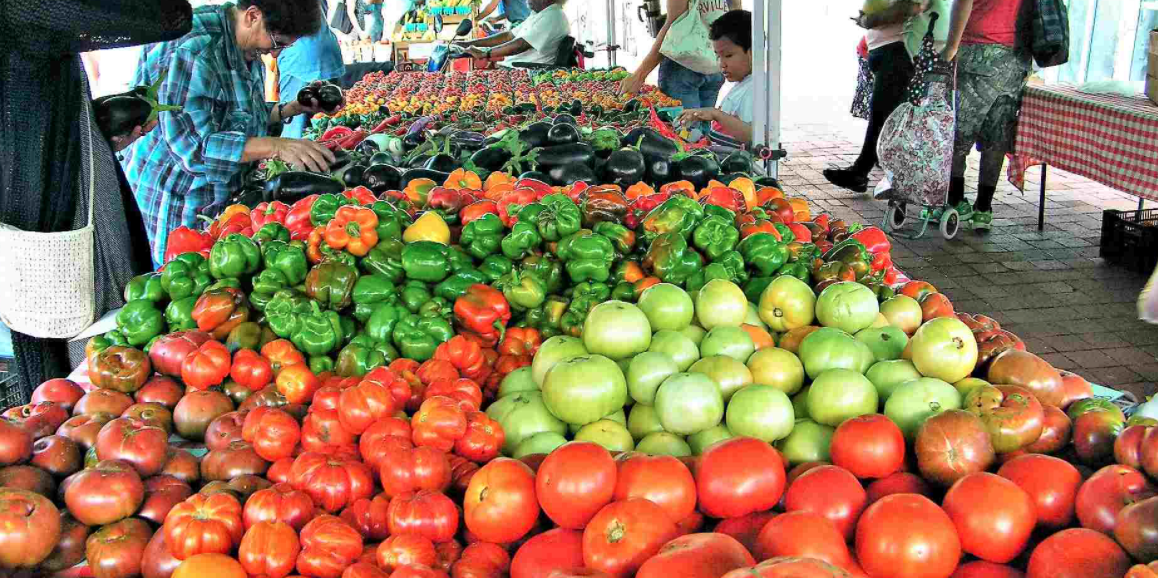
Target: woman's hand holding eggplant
(305, 154)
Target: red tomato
(1110, 489)
(789, 568)
(332, 481)
(204, 524)
(273, 433)
(281, 503)
(500, 504)
(428, 514)
(832, 492)
(418, 571)
(322, 431)
(368, 517)
(405, 550)
(558, 549)
(410, 469)
(269, 548)
(739, 476)
(1051, 482)
(697, 556)
(483, 439)
(869, 446)
(662, 479)
(439, 423)
(624, 535)
(574, 482)
(804, 534)
(1077, 553)
(383, 429)
(983, 569)
(363, 404)
(488, 554)
(329, 545)
(217, 565)
(364, 570)
(994, 517)
(907, 536)
(898, 483)
(746, 529)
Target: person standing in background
(513, 11)
(313, 57)
(377, 24)
(688, 68)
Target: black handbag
(341, 20)
(1050, 33)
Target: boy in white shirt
(731, 123)
(536, 40)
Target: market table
(1106, 138)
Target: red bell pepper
(513, 202)
(449, 201)
(265, 213)
(297, 220)
(874, 240)
(483, 310)
(476, 210)
(238, 223)
(725, 197)
(187, 240)
(881, 261)
(575, 192)
(541, 189)
(360, 195)
(641, 206)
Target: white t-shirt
(740, 102)
(544, 31)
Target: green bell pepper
(418, 337)
(755, 287)
(587, 256)
(187, 275)
(391, 221)
(853, 253)
(179, 314)
(547, 317)
(321, 364)
(349, 329)
(271, 232)
(495, 266)
(523, 240)
(523, 290)
(786, 234)
(331, 283)
(385, 259)
(547, 268)
(456, 285)
(115, 338)
(380, 325)
(715, 236)
(147, 286)
(733, 262)
(623, 291)
(437, 307)
(139, 321)
(718, 211)
(234, 256)
(671, 259)
(369, 292)
(288, 259)
(763, 253)
(426, 261)
(228, 282)
(248, 335)
(622, 238)
(798, 270)
(357, 359)
(332, 254)
(679, 215)
(319, 332)
(459, 259)
(414, 294)
(284, 311)
(482, 236)
(554, 216)
(265, 285)
(806, 253)
(325, 207)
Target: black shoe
(847, 179)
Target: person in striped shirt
(731, 123)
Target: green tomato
(808, 442)
(700, 441)
(619, 417)
(617, 330)
(730, 375)
(516, 381)
(965, 385)
(916, 401)
(903, 312)
(688, 403)
(609, 434)
(885, 342)
(840, 394)
(581, 390)
(728, 340)
(887, 376)
(800, 403)
(760, 411)
(553, 351)
(523, 415)
(667, 306)
(848, 306)
(677, 346)
(663, 444)
(945, 348)
(643, 420)
(753, 317)
(778, 368)
(787, 303)
(646, 372)
(721, 302)
(828, 348)
(695, 333)
(540, 443)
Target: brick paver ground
(1050, 288)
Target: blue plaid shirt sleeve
(204, 144)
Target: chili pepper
(147, 286)
(715, 236)
(385, 259)
(139, 321)
(513, 202)
(437, 307)
(358, 359)
(426, 261)
(325, 207)
(283, 312)
(622, 238)
(587, 256)
(547, 268)
(495, 266)
(763, 252)
(482, 236)
(369, 292)
(414, 295)
(318, 332)
(483, 310)
(385, 316)
(265, 213)
(187, 240)
(335, 132)
(298, 221)
(271, 232)
(217, 312)
(671, 259)
(679, 214)
(179, 314)
(391, 221)
(187, 275)
(457, 284)
(522, 290)
(287, 259)
(332, 284)
(360, 195)
(386, 124)
(234, 256)
(547, 317)
(418, 337)
(353, 229)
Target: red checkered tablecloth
(1112, 140)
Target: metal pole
(611, 33)
(760, 74)
(766, 38)
(772, 85)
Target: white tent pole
(611, 40)
(766, 39)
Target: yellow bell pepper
(428, 227)
(746, 186)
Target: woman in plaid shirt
(199, 156)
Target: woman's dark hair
(736, 26)
(293, 18)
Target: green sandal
(982, 220)
(964, 212)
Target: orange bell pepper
(496, 192)
(640, 189)
(766, 194)
(463, 179)
(497, 178)
(231, 210)
(314, 245)
(476, 210)
(418, 189)
(685, 186)
(800, 207)
(354, 229)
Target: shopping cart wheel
(895, 217)
(949, 223)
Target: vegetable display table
(1108, 139)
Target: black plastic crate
(1130, 238)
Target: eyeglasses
(274, 44)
